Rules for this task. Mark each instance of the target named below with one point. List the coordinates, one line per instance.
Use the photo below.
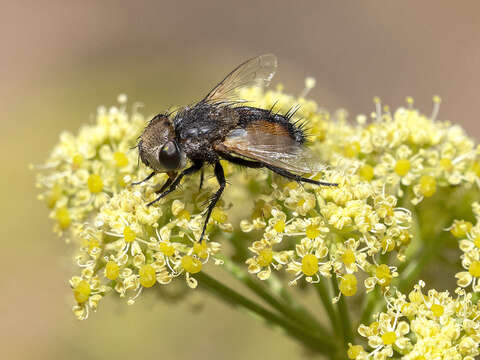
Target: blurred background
(60, 60)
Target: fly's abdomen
(274, 124)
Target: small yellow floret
(191, 264)
(111, 270)
(63, 218)
(348, 257)
(476, 241)
(265, 257)
(201, 249)
(309, 265)
(476, 168)
(446, 164)
(460, 228)
(352, 150)
(383, 274)
(167, 249)
(184, 214)
(219, 215)
(474, 269)
(147, 275)
(121, 160)
(128, 234)
(428, 185)
(354, 351)
(389, 338)
(366, 172)
(348, 285)
(312, 231)
(95, 184)
(437, 310)
(279, 226)
(402, 167)
(82, 292)
(77, 161)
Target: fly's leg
(221, 181)
(201, 181)
(279, 171)
(171, 177)
(192, 169)
(144, 180)
(289, 175)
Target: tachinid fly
(220, 127)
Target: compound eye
(169, 156)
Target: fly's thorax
(158, 148)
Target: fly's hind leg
(221, 181)
(289, 175)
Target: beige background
(59, 60)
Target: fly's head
(158, 148)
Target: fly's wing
(270, 143)
(257, 71)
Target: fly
(220, 127)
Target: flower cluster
(123, 245)
(400, 177)
(469, 243)
(434, 325)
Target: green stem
(372, 300)
(343, 314)
(322, 292)
(232, 297)
(295, 313)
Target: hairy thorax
(199, 128)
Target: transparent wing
(275, 149)
(257, 71)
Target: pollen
(460, 228)
(82, 292)
(402, 167)
(354, 351)
(428, 185)
(201, 250)
(389, 338)
(474, 269)
(121, 160)
(219, 215)
(312, 231)
(167, 249)
(128, 234)
(446, 164)
(309, 265)
(95, 184)
(111, 270)
(148, 277)
(191, 264)
(383, 274)
(279, 226)
(437, 310)
(63, 218)
(366, 172)
(265, 257)
(348, 257)
(348, 285)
